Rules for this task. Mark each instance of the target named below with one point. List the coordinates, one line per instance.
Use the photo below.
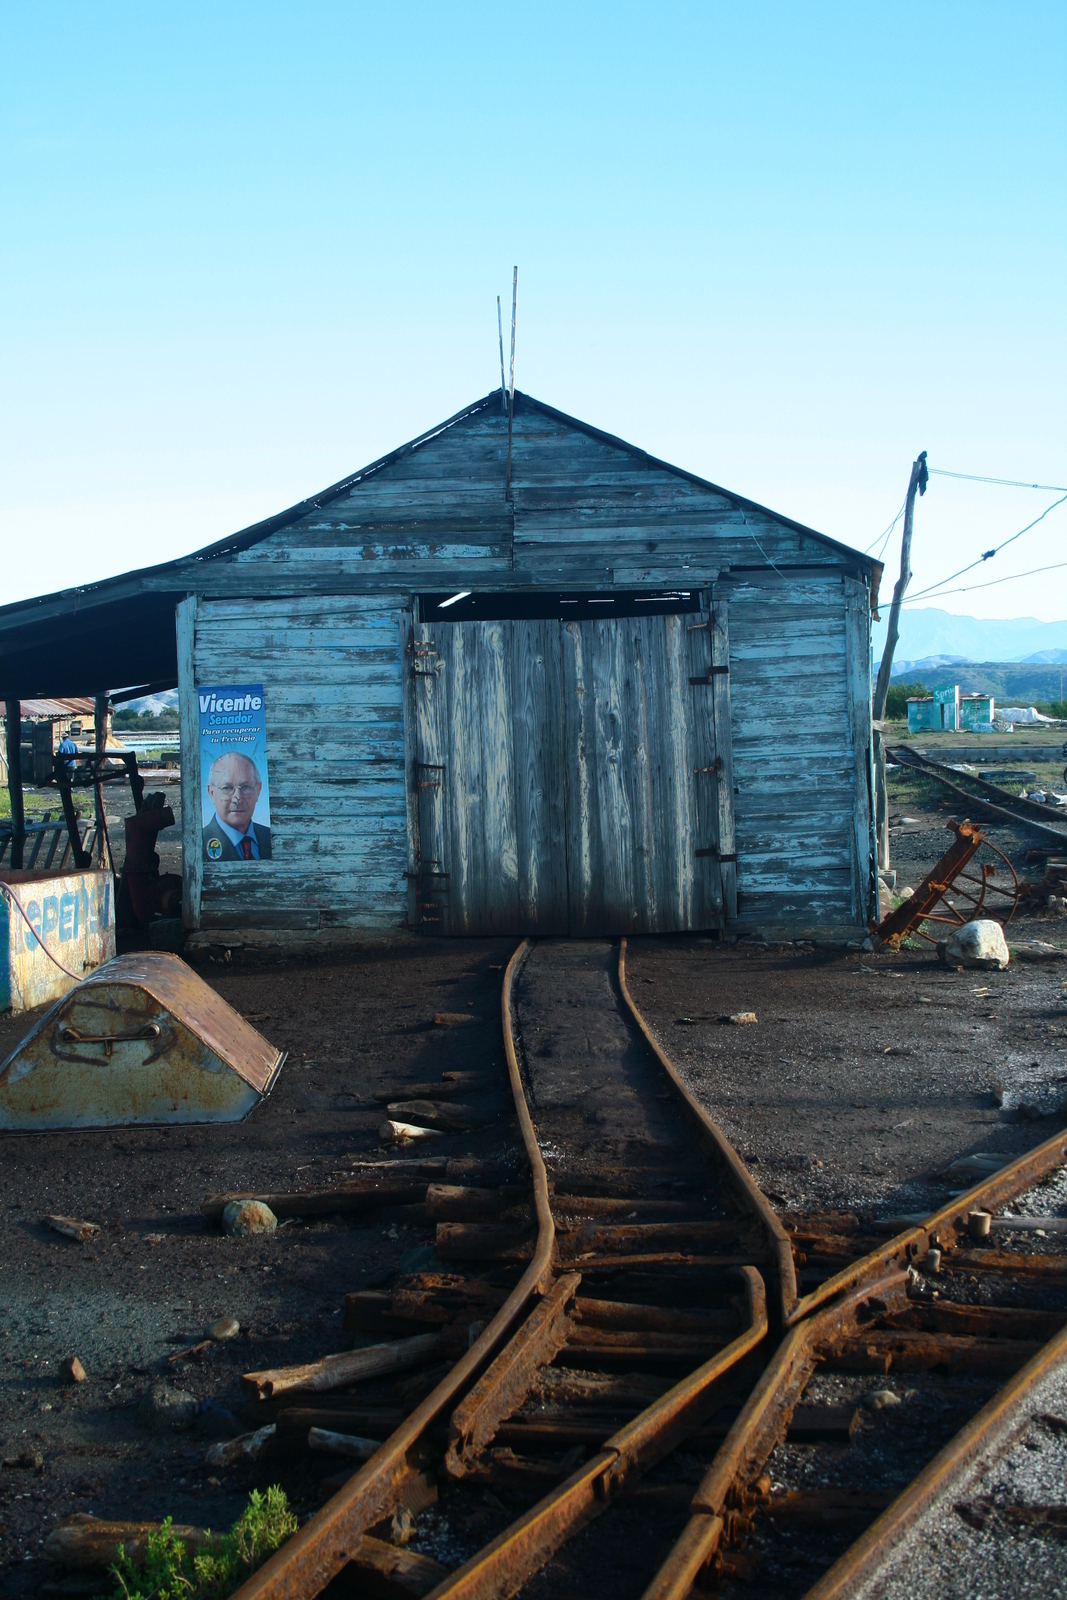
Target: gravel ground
(987, 1535)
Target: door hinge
(717, 854)
(710, 676)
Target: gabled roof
(119, 631)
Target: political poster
(235, 795)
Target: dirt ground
(157, 1274)
(864, 1077)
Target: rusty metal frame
(944, 879)
(754, 1198)
(501, 1569)
(761, 1425)
(870, 1550)
(816, 1318)
(305, 1565)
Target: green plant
(896, 701)
(168, 1572)
(165, 721)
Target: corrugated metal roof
(57, 708)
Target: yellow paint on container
(54, 929)
(143, 1040)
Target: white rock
(248, 1216)
(977, 944)
(882, 1399)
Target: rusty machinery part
(862, 1559)
(952, 893)
(142, 1040)
(480, 1391)
(753, 1197)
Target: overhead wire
(988, 554)
(993, 582)
(1007, 483)
(884, 537)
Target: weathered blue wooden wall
(316, 610)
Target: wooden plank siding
(584, 513)
(332, 676)
(799, 744)
(319, 607)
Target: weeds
(169, 1572)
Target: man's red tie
(246, 846)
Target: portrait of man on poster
(234, 785)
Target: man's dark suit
(230, 852)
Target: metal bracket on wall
(719, 855)
(710, 676)
(428, 766)
(424, 653)
(716, 766)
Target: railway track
(639, 1378)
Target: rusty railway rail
(558, 1321)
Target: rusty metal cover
(143, 1040)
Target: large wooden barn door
(492, 840)
(575, 777)
(649, 796)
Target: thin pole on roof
(511, 385)
(500, 335)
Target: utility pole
(920, 477)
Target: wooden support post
(100, 725)
(81, 858)
(916, 483)
(13, 715)
(881, 803)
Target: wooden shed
(608, 698)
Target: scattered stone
(165, 1409)
(71, 1371)
(223, 1328)
(25, 1461)
(248, 1447)
(72, 1227)
(403, 1527)
(883, 1400)
(739, 1018)
(977, 944)
(243, 1217)
(906, 894)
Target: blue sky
(246, 249)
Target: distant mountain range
(935, 637)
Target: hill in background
(929, 634)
